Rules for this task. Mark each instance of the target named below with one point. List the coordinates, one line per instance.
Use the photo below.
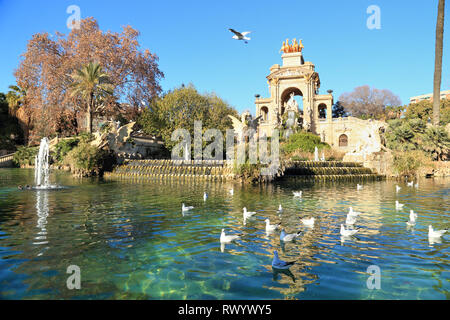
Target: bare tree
(366, 102)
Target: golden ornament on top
(294, 47)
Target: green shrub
(248, 172)
(304, 141)
(407, 163)
(63, 147)
(25, 155)
(85, 137)
(85, 160)
(414, 134)
(436, 143)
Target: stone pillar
(329, 113)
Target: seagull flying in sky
(240, 35)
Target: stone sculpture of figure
(241, 127)
(292, 104)
(300, 46)
(295, 45)
(322, 136)
(284, 47)
(306, 125)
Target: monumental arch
(295, 77)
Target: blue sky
(194, 45)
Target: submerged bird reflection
(276, 272)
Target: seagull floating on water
(347, 232)
(435, 233)
(271, 227)
(353, 213)
(205, 196)
(288, 237)
(225, 239)
(410, 184)
(184, 208)
(240, 35)
(248, 214)
(308, 222)
(397, 188)
(280, 264)
(280, 208)
(351, 219)
(297, 193)
(359, 187)
(232, 191)
(412, 218)
(398, 205)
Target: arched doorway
(264, 113)
(322, 111)
(343, 140)
(286, 95)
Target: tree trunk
(89, 114)
(438, 61)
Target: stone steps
(328, 171)
(215, 170)
(338, 177)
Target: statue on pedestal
(291, 104)
(295, 47)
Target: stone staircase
(328, 171)
(220, 170)
(212, 170)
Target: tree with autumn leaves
(52, 68)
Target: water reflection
(276, 272)
(42, 211)
(132, 242)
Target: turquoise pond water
(131, 240)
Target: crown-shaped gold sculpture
(294, 47)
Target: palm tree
(438, 61)
(436, 142)
(91, 84)
(15, 98)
